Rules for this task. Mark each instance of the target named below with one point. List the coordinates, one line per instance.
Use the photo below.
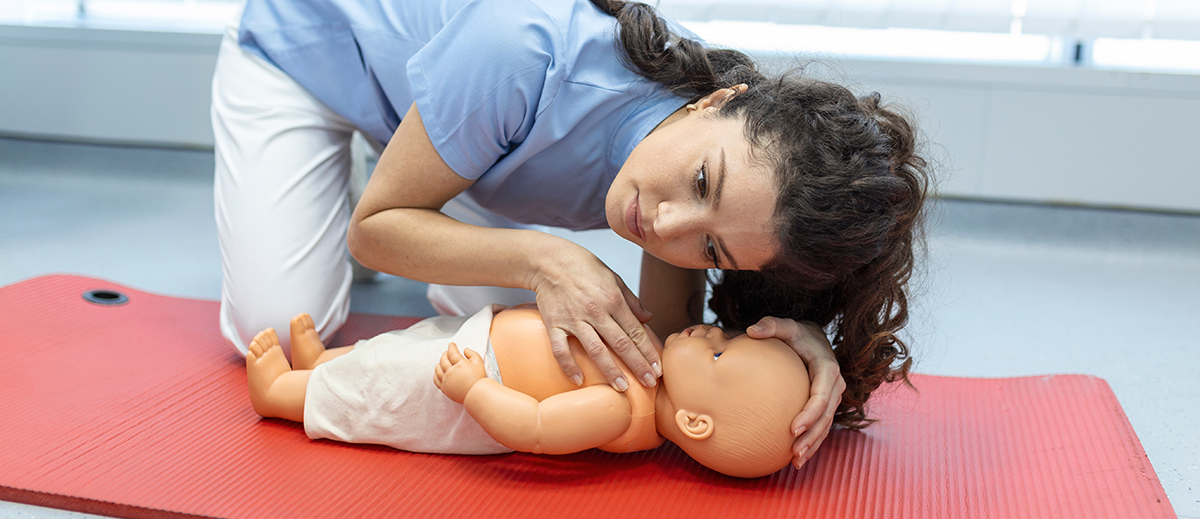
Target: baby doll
(727, 402)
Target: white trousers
(283, 165)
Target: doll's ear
(695, 426)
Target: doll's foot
(306, 342)
(265, 362)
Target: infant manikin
(727, 402)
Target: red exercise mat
(140, 409)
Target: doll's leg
(307, 349)
(276, 391)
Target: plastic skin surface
(727, 402)
(528, 366)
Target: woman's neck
(675, 116)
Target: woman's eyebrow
(725, 250)
(720, 182)
(717, 204)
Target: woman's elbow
(358, 241)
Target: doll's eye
(716, 355)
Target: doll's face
(729, 402)
(704, 367)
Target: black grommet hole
(105, 297)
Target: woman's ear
(695, 426)
(719, 97)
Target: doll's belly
(527, 363)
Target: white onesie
(383, 391)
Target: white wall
(1053, 134)
(107, 85)
(1024, 133)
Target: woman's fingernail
(621, 384)
(803, 451)
(578, 380)
(799, 430)
(757, 327)
(650, 380)
(657, 369)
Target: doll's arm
(561, 424)
(568, 422)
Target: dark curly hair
(850, 209)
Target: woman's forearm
(428, 246)
(398, 227)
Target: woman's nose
(671, 222)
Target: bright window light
(194, 11)
(1150, 54)
(165, 14)
(883, 43)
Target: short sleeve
(479, 82)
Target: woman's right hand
(578, 295)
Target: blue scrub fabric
(529, 98)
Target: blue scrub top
(529, 98)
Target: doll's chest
(525, 359)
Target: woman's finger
(790, 332)
(808, 443)
(561, 348)
(599, 353)
(637, 330)
(825, 393)
(817, 405)
(622, 342)
(766, 327)
(813, 436)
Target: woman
(579, 115)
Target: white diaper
(383, 391)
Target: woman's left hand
(815, 419)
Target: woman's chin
(617, 223)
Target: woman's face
(690, 194)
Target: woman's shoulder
(554, 26)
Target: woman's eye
(702, 181)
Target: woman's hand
(578, 295)
(815, 419)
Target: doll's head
(729, 403)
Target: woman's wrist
(549, 258)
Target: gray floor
(1006, 290)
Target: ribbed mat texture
(140, 410)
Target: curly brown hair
(850, 211)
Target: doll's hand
(456, 373)
(579, 295)
(809, 341)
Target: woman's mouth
(633, 218)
